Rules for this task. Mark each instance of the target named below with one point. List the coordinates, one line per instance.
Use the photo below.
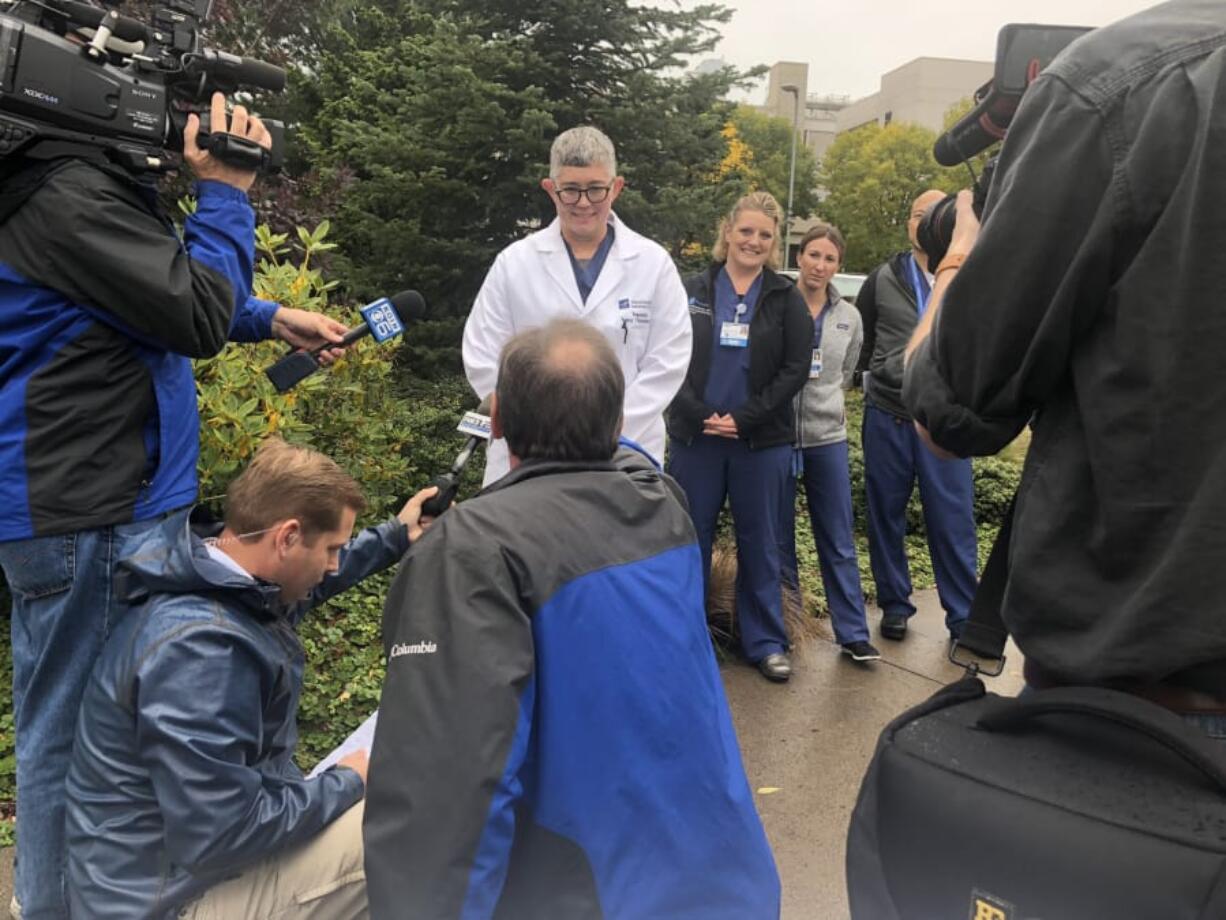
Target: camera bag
(1075, 803)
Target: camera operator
(1089, 301)
(102, 307)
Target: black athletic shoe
(894, 626)
(861, 651)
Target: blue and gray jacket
(554, 739)
(101, 308)
(182, 771)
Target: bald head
(918, 207)
(560, 393)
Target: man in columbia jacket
(184, 798)
(554, 740)
(894, 298)
(101, 309)
(587, 265)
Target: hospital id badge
(815, 366)
(734, 335)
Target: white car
(848, 284)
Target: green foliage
(769, 142)
(436, 119)
(874, 173)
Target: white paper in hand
(362, 738)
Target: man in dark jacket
(554, 740)
(893, 299)
(1091, 302)
(184, 798)
(101, 309)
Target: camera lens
(936, 230)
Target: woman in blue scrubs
(821, 440)
(730, 425)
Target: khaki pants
(322, 879)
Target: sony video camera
(75, 75)
(1022, 52)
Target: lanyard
(920, 285)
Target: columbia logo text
(416, 648)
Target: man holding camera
(893, 300)
(554, 740)
(183, 794)
(102, 307)
(1089, 302)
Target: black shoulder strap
(985, 633)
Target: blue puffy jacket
(182, 771)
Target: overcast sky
(849, 44)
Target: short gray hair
(582, 146)
(560, 393)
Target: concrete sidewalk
(811, 739)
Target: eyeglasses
(595, 193)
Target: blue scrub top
(585, 276)
(728, 379)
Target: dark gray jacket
(1094, 297)
(890, 312)
(182, 771)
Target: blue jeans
(64, 607)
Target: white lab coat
(638, 302)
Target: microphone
(979, 128)
(383, 318)
(240, 70)
(477, 426)
(128, 30)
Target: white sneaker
(15, 908)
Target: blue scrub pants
(827, 478)
(712, 468)
(894, 457)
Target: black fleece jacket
(780, 341)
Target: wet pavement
(807, 743)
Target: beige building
(919, 92)
(818, 114)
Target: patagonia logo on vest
(843, 326)
(987, 907)
(424, 647)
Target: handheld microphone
(477, 426)
(383, 318)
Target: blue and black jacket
(101, 308)
(182, 769)
(554, 739)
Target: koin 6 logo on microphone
(382, 319)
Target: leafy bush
(392, 432)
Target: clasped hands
(723, 426)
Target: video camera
(76, 75)
(1022, 52)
